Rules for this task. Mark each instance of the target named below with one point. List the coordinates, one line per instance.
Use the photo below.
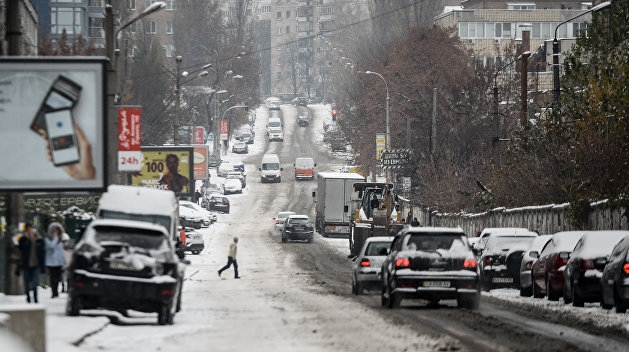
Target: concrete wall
(28, 322)
(547, 219)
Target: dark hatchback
(303, 120)
(298, 227)
(615, 278)
(502, 257)
(433, 264)
(218, 202)
(125, 264)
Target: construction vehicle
(367, 221)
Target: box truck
(333, 197)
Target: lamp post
(154, 7)
(178, 59)
(388, 134)
(495, 137)
(556, 88)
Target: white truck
(333, 197)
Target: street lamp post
(556, 88)
(177, 100)
(388, 134)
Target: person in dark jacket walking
(33, 253)
(55, 256)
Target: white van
(275, 123)
(304, 168)
(142, 204)
(270, 169)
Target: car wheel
(577, 299)
(165, 316)
(621, 304)
(470, 302)
(359, 288)
(552, 295)
(606, 306)
(309, 239)
(73, 305)
(195, 252)
(536, 293)
(567, 296)
(526, 291)
(485, 286)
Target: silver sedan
(366, 266)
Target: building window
(287, 14)
(327, 10)
(67, 18)
(169, 27)
(131, 4)
(287, 29)
(152, 27)
(279, 30)
(265, 9)
(132, 27)
(279, 15)
(170, 5)
(525, 6)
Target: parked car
(547, 270)
(501, 258)
(240, 148)
(224, 168)
(194, 241)
(367, 265)
(245, 136)
(615, 278)
(583, 272)
(214, 160)
(218, 202)
(526, 285)
(238, 165)
(232, 185)
(125, 264)
(190, 218)
(430, 263)
(240, 176)
(208, 217)
(280, 218)
(303, 120)
(273, 103)
(210, 189)
(484, 235)
(298, 227)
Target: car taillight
(402, 263)
(469, 264)
(277, 222)
(561, 259)
(487, 261)
(587, 264)
(365, 263)
(625, 268)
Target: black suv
(303, 120)
(125, 264)
(218, 202)
(431, 263)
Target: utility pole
(178, 59)
(526, 43)
(433, 134)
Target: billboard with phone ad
(53, 118)
(170, 168)
(201, 155)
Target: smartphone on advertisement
(62, 137)
(63, 94)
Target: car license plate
(121, 266)
(503, 280)
(436, 284)
(299, 228)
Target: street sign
(381, 140)
(395, 158)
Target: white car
(232, 185)
(280, 218)
(191, 218)
(208, 216)
(367, 265)
(224, 169)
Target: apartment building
(489, 27)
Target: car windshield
(433, 242)
(506, 242)
(377, 248)
(142, 238)
(154, 219)
(275, 124)
(270, 166)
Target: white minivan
(270, 169)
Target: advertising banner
(53, 118)
(224, 128)
(129, 138)
(201, 155)
(169, 168)
(381, 142)
(199, 136)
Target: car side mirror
(534, 254)
(352, 257)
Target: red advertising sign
(199, 135)
(224, 127)
(200, 157)
(129, 138)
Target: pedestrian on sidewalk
(33, 252)
(55, 256)
(231, 259)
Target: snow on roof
(566, 240)
(344, 175)
(600, 243)
(138, 200)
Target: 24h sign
(395, 158)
